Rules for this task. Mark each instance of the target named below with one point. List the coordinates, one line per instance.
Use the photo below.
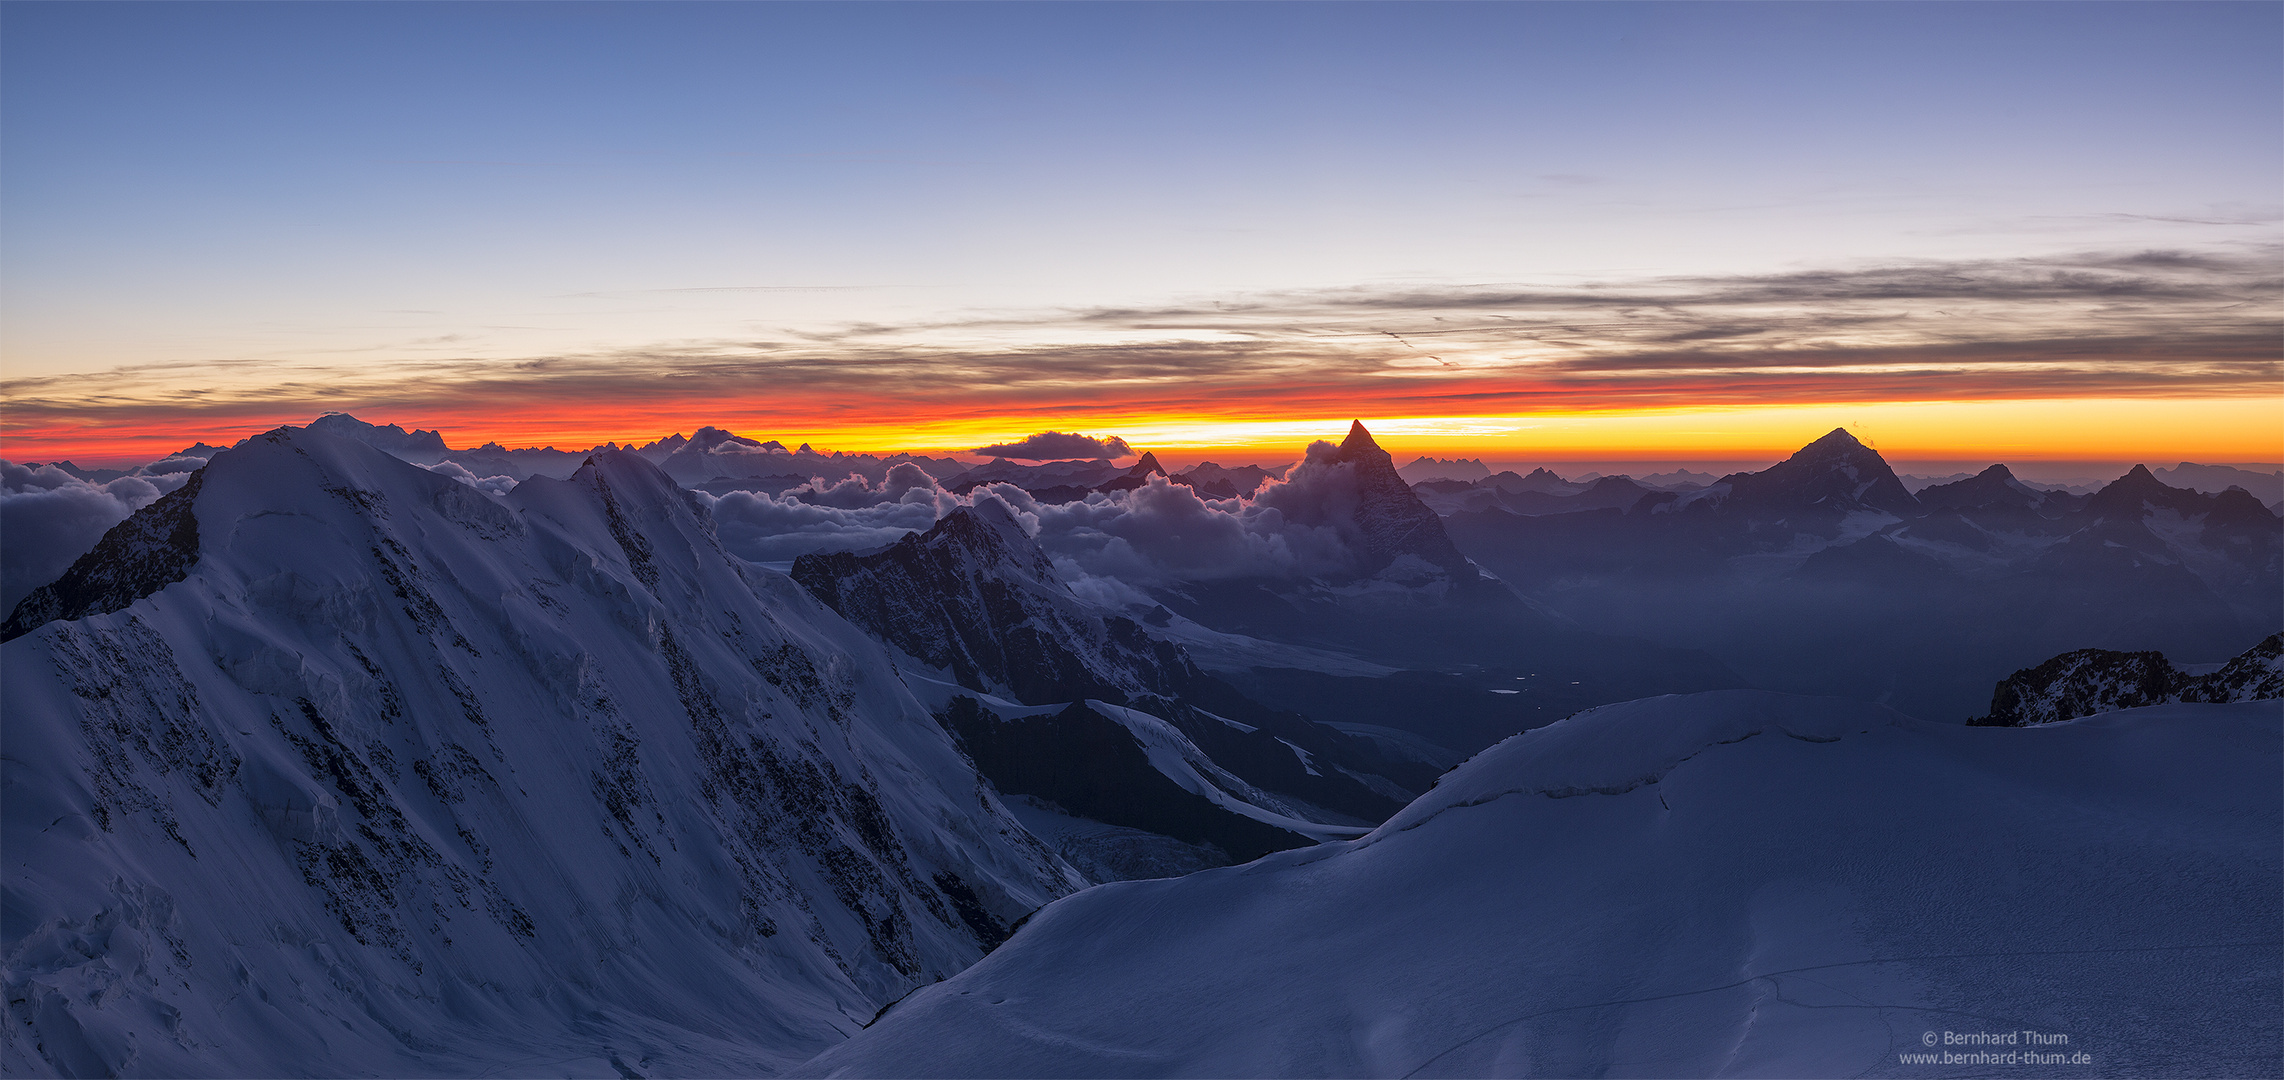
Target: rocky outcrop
(2091, 681)
(1393, 520)
(139, 556)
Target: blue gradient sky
(266, 193)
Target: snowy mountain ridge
(1729, 884)
(403, 777)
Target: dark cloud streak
(2132, 323)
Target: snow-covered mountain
(2091, 681)
(1733, 884)
(418, 447)
(976, 603)
(329, 764)
(1823, 575)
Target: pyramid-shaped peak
(1837, 438)
(1148, 465)
(2140, 472)
(1358, 438)
(1997, 472)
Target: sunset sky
(1514, 231)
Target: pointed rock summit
(1835, 473)
(1137, 476)
(1393, 519)
(1359, 440)
(1992, 488)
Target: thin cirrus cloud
(2097, 324)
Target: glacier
(1736, 883)
(352, 768)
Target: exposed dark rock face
(2092, 681)
(1137, 476)
(1994, 488)
(976, 596)
(1834, 473)
(2258, 675)
(1394, 521)
(139, 556)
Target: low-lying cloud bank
(1107, 545)
(49, 517)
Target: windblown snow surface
(406, 779)
(1736, 883)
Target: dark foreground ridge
(152, 549)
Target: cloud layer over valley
(49, 517)
(1104, 544)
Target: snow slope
(1736, 883)
(390, 776)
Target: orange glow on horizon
(2248, 428)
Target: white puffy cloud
(850, 515)
(489, 485)
(1106, 545)
(48, 517)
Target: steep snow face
(402, 778)
(1726, 884)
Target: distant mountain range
(326, 761)
(1824, 574)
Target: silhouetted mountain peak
(1360, 441)
(1834, 473)
(1992, 487)
(2130, 497)
(1147, 466)
(1393, 519)
(709, 437)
